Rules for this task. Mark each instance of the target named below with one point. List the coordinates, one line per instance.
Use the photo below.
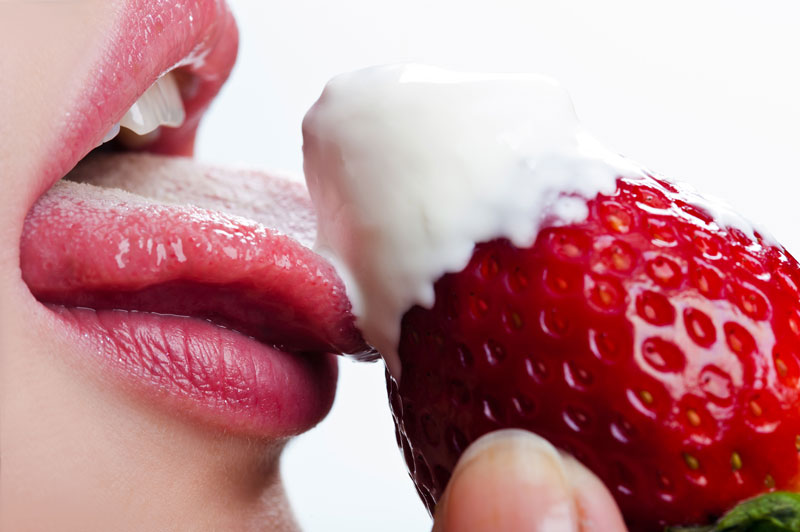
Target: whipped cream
(410, 166)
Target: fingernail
(508, 480)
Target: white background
(706, 91)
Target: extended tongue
(96, 247)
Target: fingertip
(508, 480)
(597, 510)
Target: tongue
(175, 237)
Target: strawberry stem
(773, 512)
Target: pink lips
(207, 308)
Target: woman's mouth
(192, 286)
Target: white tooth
(160, 105)
(113, 132)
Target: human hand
(514, 480)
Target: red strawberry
(659, 347)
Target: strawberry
(657, 345)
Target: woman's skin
(79, 454)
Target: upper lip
(152, 37)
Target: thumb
(516, 481)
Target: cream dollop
(409, 166)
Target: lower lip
(210, 374)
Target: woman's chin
(98, 457)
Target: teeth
(113, 132)
(160, 105)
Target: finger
(509, 480)
(597, 510)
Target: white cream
(409, 166)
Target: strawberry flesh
(657, 347)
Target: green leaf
(773, 512)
